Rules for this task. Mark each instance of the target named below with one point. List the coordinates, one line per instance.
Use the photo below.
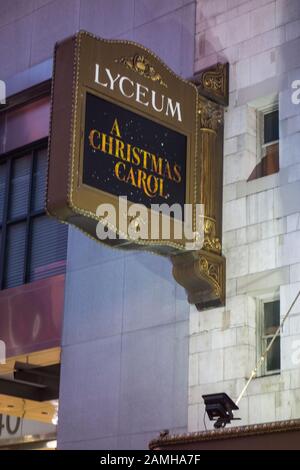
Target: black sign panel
(126, 154)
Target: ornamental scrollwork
(212, 272)
(213, 82)
(215, 79)
(141, 65)
(211, 115)
(211, 242)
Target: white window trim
(260, 113)
(262, 372)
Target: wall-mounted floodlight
(219, 408)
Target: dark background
(98, 167)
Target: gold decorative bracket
(203, 273)
(213, 83)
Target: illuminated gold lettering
(168, 171)
(151, 184)
(136, 156)
(117, 170)
(161, 188)
(155, 188)
(128, 153)
(177, 174)
(104, 144)
(142, 180)
(156, 164)
(119, 149)
(130, 177)
(145, 156)
(115, 128)
(92, 135)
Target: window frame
(261, 145)
(7, 221)
(262, 339)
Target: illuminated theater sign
(127, 133)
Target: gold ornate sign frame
(75, 202)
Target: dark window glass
(32, 245)
(48, 248)
(271, 322)
(39, 180)
(273, 357)
(271, 127)
(271, 317)
(2, 190)
(15, 255)
(19, 187)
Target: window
(267, 142)
(268, 322)
(32, 245)
(271, 128)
